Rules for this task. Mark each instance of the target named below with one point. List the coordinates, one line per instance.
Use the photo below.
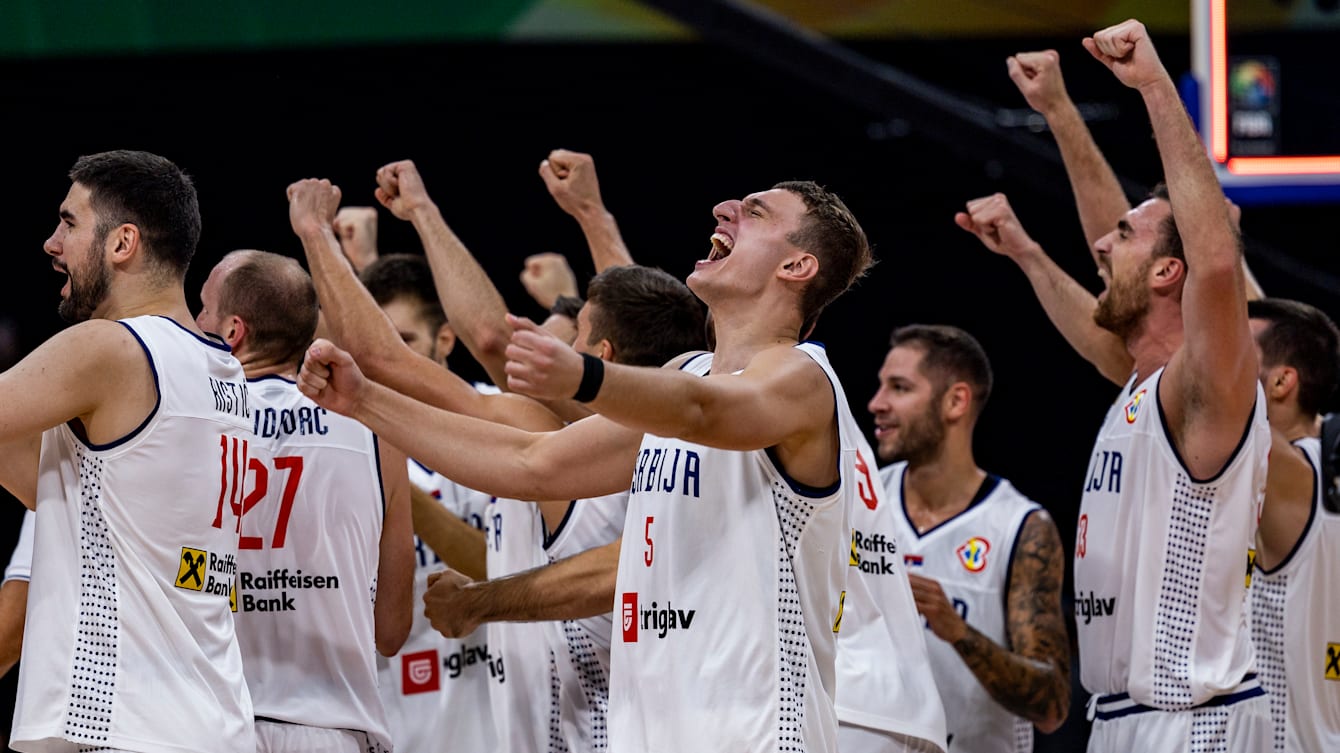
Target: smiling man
(734, 554)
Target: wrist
(423, 213)
(592, 213)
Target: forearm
(473, 305)
(1035, 689)
(579, 586)
(604, 240)
(13, 606)
(1070, 308)
(1098, 194)
(354, 318)
(456, 542)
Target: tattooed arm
(1030, 678)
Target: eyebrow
(754, 201)
(66, 214)
(1125, 226)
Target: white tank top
(130, 641)
(970, 556)
(883, 667)
(1296, 630)
(20, 565)
(436, 690)
(307, 564)
(582, 647)
(1160, 597)
(730, 584)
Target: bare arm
(590, 458)
(356, 228)
(571, 180)
(1290, 491)
(1068, 304)
(393, 611)
(13, 611)
(473, 305)
(456, 542)
(1031, 677)
(572, 588)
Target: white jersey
(131, 644)
(309, 545)
(729, 592)
(436, 689)
(525, 695)
(1296, 629)
(20, 565)
(1160, 597)
(970, 555)
(582, 647)
(883, 666)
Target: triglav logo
(630, 617)
(656, 620)
(419, 673)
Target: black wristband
(593, 374)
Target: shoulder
(683, 359)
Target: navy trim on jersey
(804, 490)
(550, 538)
(693, 358)
(425, 468)
(1167, 434)
(989, 485)
(1009, 567)
(281, 378)
(77, 427)
(220, 344)
(1227, 699)
(1311, 517)
(377, 458)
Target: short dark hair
(1302, 337)
(394, 276)
(647, 315)
(274, 295)
(830, 231)
(949, 355)
(149, 192)
(1169, 242)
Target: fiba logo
(629, 616)
(972, 555)
(419, 672)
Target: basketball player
(128, 458)
(14, 596)
(326, 554)
(635, 315)
(736, 529)
(1295, 616)
(985, 562)
(1175, 481)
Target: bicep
(589, 458)
(775, 399)
(1036, 625)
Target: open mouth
(722, 245)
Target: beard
(86, 294)
(1123, 310)
(920, 440)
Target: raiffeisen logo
(655, 620)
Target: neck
(1295, 424)
(255, 366)
(168, 301)
(1153, 344)
(945, 484)
(740, 338)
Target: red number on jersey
(647, 555)
(865, 486)
(233, 457)
(1082, 543)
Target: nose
(876, 404)
(51, 246)
(1104, 245)
(726, 210)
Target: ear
(606, 350)
(800, 268)
(1280, 382)
(957, 402)
(123, 242)
(1167, 273)
(445, 341)
(234, 331)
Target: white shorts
(1238, 722)
(854, 739)
(280, 737)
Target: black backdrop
(674, 128)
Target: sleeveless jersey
(525, 694)
(883, 667)
(970, 556)
(131, 644)
(308, 553)
(1296, 630)
(729, 592)
(20, 565)
(1160, 597)
(582, 647)
(436, 690)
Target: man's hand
(571, 180)
(330, 377)
(547, 276)
(1038, 76)
(400, 189)
(312, 204)
(356, 229)
(940, 614)
(539, 364)
(447, 605)
(994, 223)
(1128, 52)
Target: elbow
(1050, 723)
(390, 639)
(1055, 713)
(490, 342)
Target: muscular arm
(1032, 677)
(572, 588)
(455, 542)
(1290, 492)
(13, 610)
(393, 611)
